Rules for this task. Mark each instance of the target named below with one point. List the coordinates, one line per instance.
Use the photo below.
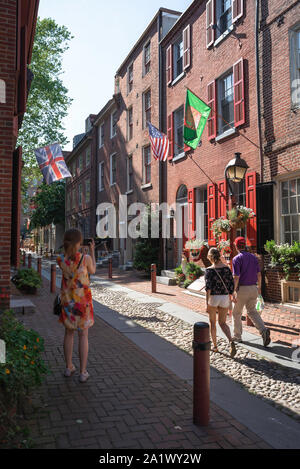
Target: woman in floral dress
(76, 299)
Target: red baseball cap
(240, 242)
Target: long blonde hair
(71, 239)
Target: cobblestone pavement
(130, 400)
(283, 322)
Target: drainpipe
(162, 242)
(258, 91)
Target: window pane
(285, 189)
(296, 294)
(285, 206)
(295, 223)
(287, 238)
(295, 237)
(293, 188)
(286, 224)
(293, 205)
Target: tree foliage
(49, 205)
(48, 100)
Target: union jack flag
(159, 143)
(52, 163)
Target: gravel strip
(273, 383)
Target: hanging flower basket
(238, 224)
(239, 216)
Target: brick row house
(242, 59)
(18, 21)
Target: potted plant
(193, 271)
(286, 256)
(238, 216)
(27, 280)
(196, 248)
(224, 247)
(219, 226)
(180, 276)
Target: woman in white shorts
(219, 287)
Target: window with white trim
(178, 58)
(101, 176)
(113, 124)
(147, 58)
(146, 108)
(129, 172)
(101, 135)
(290, 211)
(113, 169)
(130, 123)
(130, 78)
(88, 157)
(223, 16)
(178, 131)
(225, 102)
(147, 164)
(295, 65)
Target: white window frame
(221, 123)
(177, 151)
(281, 215)
(144, 106)
(174, 52)
(148, 147)
(101, 141)
(219, 34)
(112, 183)
(101, 175)
(129, 189)
(128, 123)
(148, 43)
(294, 66)
(112, 135)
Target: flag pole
(217, 114)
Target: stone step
(166, 280)
(168, 273)
(22, 305)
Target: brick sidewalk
(130, 401)
(283, 322)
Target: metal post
(39, 266)
(201, 346)
(110, 267)
(153, 278)
(29, 261)
(53, 278)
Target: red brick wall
(280, 125)
(207, 163)
(7, 73)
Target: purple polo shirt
(245, 265)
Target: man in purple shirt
(247, 287)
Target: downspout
(160, 113)
(258, 91)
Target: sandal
(69, 372)
(84, 377)
(215, 349)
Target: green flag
(196, 115)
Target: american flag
(52, 163)
(159, 143)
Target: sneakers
(232, 349)
(266, 337)
(84, 377)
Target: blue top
(245, 265)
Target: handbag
(57, 306)
(230, 302)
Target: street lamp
(235, 171)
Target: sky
(104, 32)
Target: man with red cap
(247, 287)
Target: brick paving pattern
(283, 322)
(129, 402)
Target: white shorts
(219, 300)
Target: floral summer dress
(76, 298)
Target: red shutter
(222, 202)
(212, 103)
(210, 20)
(239, 93)
(237, 9)
(186, 47)
(251, 203)
(211, 209)
(169, 65)
(191, 214)
(170, 136)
